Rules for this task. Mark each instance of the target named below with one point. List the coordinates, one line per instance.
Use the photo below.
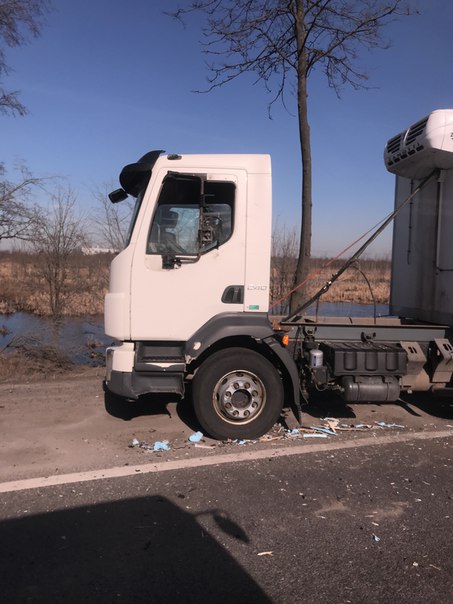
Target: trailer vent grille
(394, 144)
(423, 147)
(416, 130)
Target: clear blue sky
(109, 80)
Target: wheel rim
(239, 397)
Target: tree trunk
(303, 263)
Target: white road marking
(196, 462)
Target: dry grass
(33, 362)
(364, 283)
(28, 356)
(22, 288)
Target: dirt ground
(67, 424)
(62, 425)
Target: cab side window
(175, 230)
(187, 222)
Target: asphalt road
(364, 516)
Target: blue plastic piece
(324, 430)
(196, 437)
(384, 425)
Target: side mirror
(117, 195)
(209, 233)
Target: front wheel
(237, 393)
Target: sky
(109, 80)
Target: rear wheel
(237, 393)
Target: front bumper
(123, 379)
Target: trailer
(188, 298)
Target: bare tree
(58, 233)
(282, 42)
(16, 212)
(112, 220)
(18, 18)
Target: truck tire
(237, 393)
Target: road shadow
(327, 404)
(137, 550)
(155, 404)
(150, 405)
(438, 404)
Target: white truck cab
(189, 294)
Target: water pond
(348, 309)
(81, 338)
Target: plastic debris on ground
(334, 424)
(331, 427)
(384, 425)
(245, 441)
(376, 538)
(196, 437)
(157, 446)
(327, 431)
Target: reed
(22, 288)
(365, 282)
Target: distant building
(92, 251)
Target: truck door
(189, 260)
